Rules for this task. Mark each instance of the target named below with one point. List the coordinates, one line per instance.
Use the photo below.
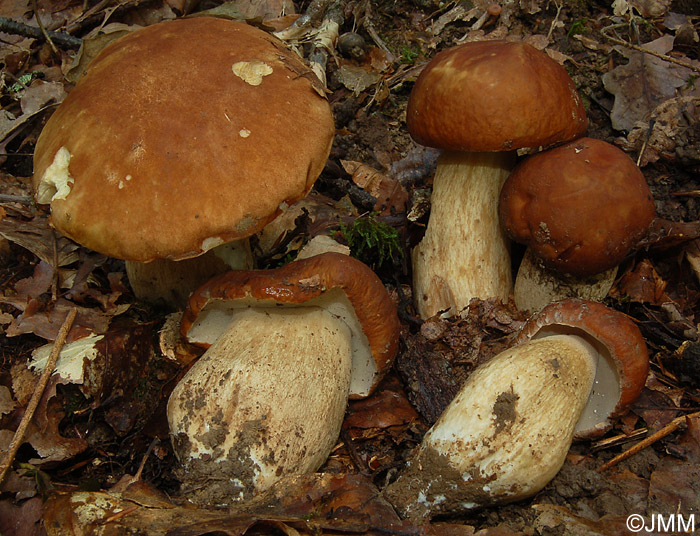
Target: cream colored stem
(536, 286)
(464, 253)
(505, 434)
(265, 401)
(171, 282)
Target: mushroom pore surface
(622, 362)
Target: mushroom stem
(505, 434)
(171, 282)
(464, 253)
(536, 286)
(266, 400)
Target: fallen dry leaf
(390, 194)
(643, 83)
(643, 284)
(672, 135)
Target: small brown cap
(308, 282)
(181, 136)
(494, 96)
(582, 207)
(624, 359)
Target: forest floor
(97, 458)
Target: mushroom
(287, 347)
(479, 102)
(580, 208)
(574, 368)
(181, 137)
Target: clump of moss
(372, 241)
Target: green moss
(578, 27)
(372, 241)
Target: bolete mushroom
(479, 102)
(580, 208)
(288, 347)
(181, 137)
(574, 368)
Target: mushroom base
(266, 400)
(464, 253)
(505, 434)
(170, 282)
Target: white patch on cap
(251, 72)
(244, 133)
(56, 183)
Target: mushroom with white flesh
(287, 348)
(573, 369)
(479, 102)
(180, 138)
(580, 208)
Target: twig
(47, 37)
(313, 13)
(653, 438)
(63, 40)
(646, 141)
(8, 198)
(554, 22)
(38, 393)
(664, 57)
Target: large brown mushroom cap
(181, 136)
(494, 96)
(622, 368)
(582, 207)
(327, 280)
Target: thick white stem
(171, 282)
(536, 286)
(265, 401)
(464, 253)
(505, 434)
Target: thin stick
(38, 393)
(17, 28)
(666, 430)
(664, 57)
(46, 35)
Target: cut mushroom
(623, 363)
(576, 366)
(580, 208)
(480, 102)
(181, 137)
(287, 347)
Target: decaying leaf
(643, 83)
(356, 78)
(390, 193)
(309, 504)
(672, 133)
(642, 284)
(38, 237)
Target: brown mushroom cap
(582, 207)
(343, 284)
(622, 368)
(182, 136)
(494, 96)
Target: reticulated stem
(536, 286)
(464, 253)
(266, 400)
(171, 282)
(505, 434)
